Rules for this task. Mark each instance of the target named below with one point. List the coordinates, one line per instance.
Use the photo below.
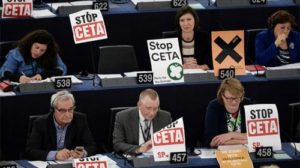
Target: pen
(23, 73)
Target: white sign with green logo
(166, 60)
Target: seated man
(134, 126)
(61, 134)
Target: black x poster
(228, 51)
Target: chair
(108, 147)
(31, 119)
(5, 46)
(117, 59)
(294, 121)
(250, 35)
(167, 34)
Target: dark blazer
(43, 136)
(126, 128)
(266, 51)
(202, 48)
(216, 120)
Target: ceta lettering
(90, 30)
(91, 165)
(170, 136)
(18, 9)
(163, 56)
(263, 127)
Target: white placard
(87, 25)
(262, 125)
(166, 61)
(16, 8)
(167, 140)
(93, 161)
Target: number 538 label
(62, 83)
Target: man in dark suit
(134, 126)
(62, 133)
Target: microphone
(290, 139)
(257, 69)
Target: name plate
(103, 5)
(145, 78)
(178, 157)
(258, 2)
(62, 83)
(226, 73)
(264, 152)
(179, 3)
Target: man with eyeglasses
(61, 134)
(134, 126)
(225, 115)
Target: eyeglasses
(231, 99)
(70, 110)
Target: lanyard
(146, 136)
(235, 122)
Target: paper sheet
(4, 94)
(206, 153)
(73, 78)
(134, 73)
(103, 76)
(43, 13)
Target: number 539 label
(143, 78)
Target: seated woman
(195, 46)
(225, 115)
(278, 45)
(35, 58)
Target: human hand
(63, 154)
(220, 139)
(78, 152)
(145, 147)
(24, 79)
(36, 77)
(280, 38)
(189, 61)
(203, 67)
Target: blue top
(266, 52)
(15, 64)
(216, 119)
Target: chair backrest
(31, 119)
(166, 34)
(5, 46)
(294, 120)
(250, 35)
(117, 59)
(113, 111)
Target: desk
(195, 161)
(186, 99)
(126, 25)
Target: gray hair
(61, 95)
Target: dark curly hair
(49, 58)
(182, 11)
(281, 16)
